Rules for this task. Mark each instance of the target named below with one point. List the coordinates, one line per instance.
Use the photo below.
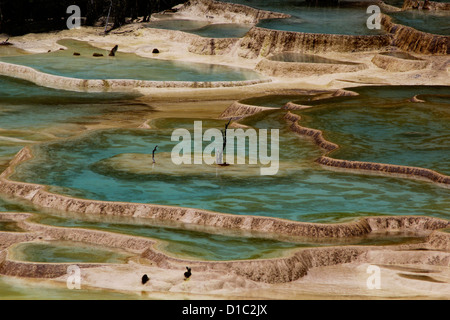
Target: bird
(145, 279)
(187, 274)
(153, 154)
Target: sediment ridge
(411, 172)
(239, 110)
(359, 166)
(316, 135)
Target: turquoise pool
(77, 166)
(381, 125)
(203, 28)
(311, 19)
(66, 252)
(124, 66)
(28, 118)
(436, 22)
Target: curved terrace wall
(411, 172)
(39, 196)
(262, 42)
(239, 110)
(296, 69)
(397, 64)
(277, 270)
(431, 5)
(410, 39)
(359, 166)
(298, 264)
(49, 80)
(316, 135)
(387, 8)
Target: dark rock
(76, 54)
(97, 55)
(155, 51)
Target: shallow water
(400, 55)
(192, 244)
(20, 289)
(66, 252)
(202, 28)
(177, 24)
(184, 243)
(6, 51)
(329, 20)
(223, 30)
(381, 125)
(78, 165)
(303, 58)
(9, 226)
(41, 106)
(44, 114)
(124, 66)
(436, 22)
(274, 100)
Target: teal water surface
(204, 29)
(273, 100)
(28, 111)
(66, 252)
(303, 190)
(124, 66)
(431, 21)
(381, 125)
(312, 19)
(200, 245)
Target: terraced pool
(203, 28)
(66, 252)
(88, 145)
(88, 166)
(124, 66)
(312, 19)
(435, 22)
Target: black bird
(187, 274)
(153, 154)
(145, 279)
